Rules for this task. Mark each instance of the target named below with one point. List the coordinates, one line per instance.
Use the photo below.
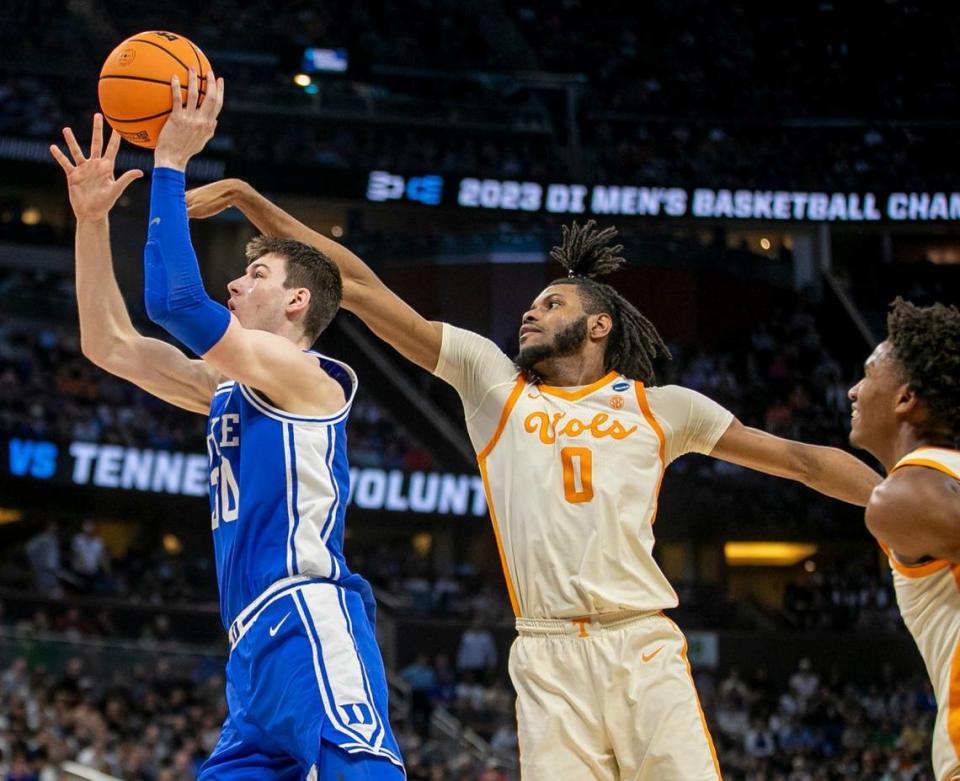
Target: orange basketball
(134, 84)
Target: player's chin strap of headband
(173, 289)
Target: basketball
(134, 88)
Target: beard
(568, 341)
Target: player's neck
(908, 439)
(292, 332)
(570, 371)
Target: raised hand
(213, 198)
(189, 127)
(90, 180)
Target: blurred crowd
(784, 379)
(156, 720)
(843, 597)
(820, 727)
(691, 93)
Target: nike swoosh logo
(649, 656)
(275, 629)
(155, 221)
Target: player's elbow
(104, 353)
(157, 308)
(95, 348)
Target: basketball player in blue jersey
(306, 688)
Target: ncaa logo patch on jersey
(621, 386)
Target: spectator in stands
(804, 683)
(43, 553)
(421, 678)
(759, 742)
(89, 557)
(477, 653)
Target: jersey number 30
(577, 474)
(226, 505)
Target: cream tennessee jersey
(572, 477)
(929, 599)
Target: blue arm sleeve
(173, 289)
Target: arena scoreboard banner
(599, 200)
(115, 467)
(613, 199)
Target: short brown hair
(306, 267)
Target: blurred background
(778, 173)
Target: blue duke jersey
(279, 485)
(304, 673)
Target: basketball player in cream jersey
(572, 442)
(906, 412)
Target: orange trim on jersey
(916, 570)
(928, 464)
(507, 409)
(579, 394)
(696, 697)
(953, 702)
(662, 451)
(496, 533)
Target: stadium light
(10, 515)
(767, 554)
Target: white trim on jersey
(278, 414)
(340, 675)
(290, 516)
(249, 615)
(284, 417)
(313, 498)
(360, 748)
(331, 520)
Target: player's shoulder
(907, 491)
(336, 369)
(666, 394)
(462, 348)
(457, 337)
(338, 377)
(330, 397)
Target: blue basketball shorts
(306, 691)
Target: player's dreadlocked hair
(926, 342)
(633, 344)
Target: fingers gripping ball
(134, 85)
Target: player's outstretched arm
(915, 512)
(364, 294)
(829, 470)
(107, 335)
(175, 296)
